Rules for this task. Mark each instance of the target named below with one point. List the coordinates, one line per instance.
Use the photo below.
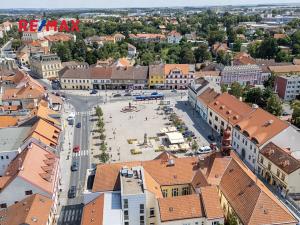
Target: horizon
(117, 4)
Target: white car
(204, 150)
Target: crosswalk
(91, 112)
(81, 153)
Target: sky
(127, 3)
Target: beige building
(279, 168)
(45, 66)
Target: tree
(254, 95)
(100, 123)
(270, 82)
(187, 56)
(224, 58)
(283, 56)
(274, 105)
(231, 219)
(99, 111)
(102, 137)
(268, 48)
(16, 43)
(296, 113)
(236, 90)
(237, 45)
(216, 36)
(91, 58)
(202, 54)
(104, 157)
(195, 146)
(224, 88)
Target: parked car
(117, 95)
(189, 153)
(128, 94)
(154, 93)
(72, 192)
(211, 137)
(93, 92)
(204, 150)
(74, 166)
(76, 149)
(174, 90)
(78, 125)
(188, 133)
(71, 121)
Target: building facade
(45, 66)
(243, 74)
(179, 76)
(288, 87)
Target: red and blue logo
(38, 26)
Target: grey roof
(130, 73)
(12, 138)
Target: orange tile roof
(8, 121)
(229, 107)
(285, 69)
(211, 202)
(184, 68)
(250, 199)
(280, 36)
(45, 132)
(152, 185)
(93, 212)
(58, 37)
(261, 126)
(180, 208)
(208, 96)
(34, 160)
(45, 113)
(280, 157)
(34, 209)
(25, 92)
(217, 170)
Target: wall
(4, 162)
(134, 202)
(168, 189)
(15, 191)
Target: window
(215, 223)
(126, 223)
(28, 192)
(185, 191)
(3, 205)
(125, 203)
(142, 208)
(174, 192)
(278, 173)
(152, 212)
(142, 220)
(261, 160)
(2, 157)
(210, 113)
(222, 123)
(165, 193)
(7, 157)
(282, 176)
(269, 166)
(216, 118)
(126, 216)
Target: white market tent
(175, 138)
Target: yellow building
(279, 168)
(156, 77)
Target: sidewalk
(65, 156)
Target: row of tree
(103, 156)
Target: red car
(76, 148)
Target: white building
(10, 141)
(288, 87)
(174, 37)
(29, 36)
(259, 128)
(34, 171)
(195, 89)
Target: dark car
(93, 92)
(128, 94)
(78, 125)
(211, 137)
(74, 166)
(154, 93)
(188, 133)
(116, 95)
(72, 192)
